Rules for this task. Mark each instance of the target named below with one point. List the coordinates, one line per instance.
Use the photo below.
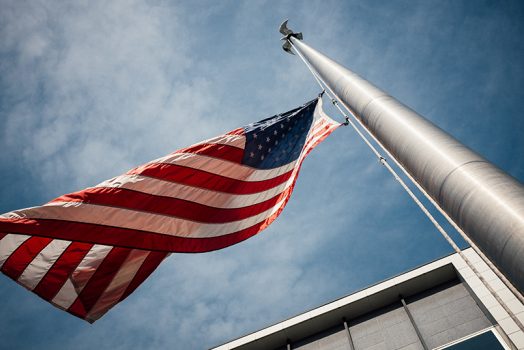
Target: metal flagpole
(395, 175)
(443, 166)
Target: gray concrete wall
(446, 315)
(388, 328)
(442, 314)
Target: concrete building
(440, 305)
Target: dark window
(484, 341)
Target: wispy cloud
(90, 89)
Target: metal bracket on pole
(288, 33)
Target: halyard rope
(335, 100)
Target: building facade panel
(388, 328)
(333, 339)
(441, 305)
(446, 313)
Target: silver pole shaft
(486, 203)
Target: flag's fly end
(288, 33)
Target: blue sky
(91, 89)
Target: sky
(90, 89)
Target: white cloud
(93, 76)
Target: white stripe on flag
(87, 267)
(37, 269)
(9, 244)
(203, 196)
(66, 296)
(119, 283)
(237, 141)
(138, 220)
(223, 167)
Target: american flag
(86, 251)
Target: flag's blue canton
(278, 140)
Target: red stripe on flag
(198, 178)
(129, 199)
(216, 150)
(122, 237)
(238, 131)
(310, 145)
(17, 262)
(99, 281)
(57, 275)
(77, 309)
(148, 266)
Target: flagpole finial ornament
(288, 33)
